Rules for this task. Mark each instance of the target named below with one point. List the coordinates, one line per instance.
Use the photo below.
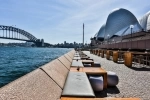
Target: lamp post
(107, 40)
(113, 43)
(113, 40)
(83, 34)
(131, 27)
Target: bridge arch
(10, 32)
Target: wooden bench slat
(67, 98)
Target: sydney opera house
(123, 30)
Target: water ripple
(18, 61)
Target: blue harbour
(18, 61)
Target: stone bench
(77, 85)
(77, 63)
(96, 82)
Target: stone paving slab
(133, 82)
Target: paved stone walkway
(133, 82)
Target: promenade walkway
(133, 82)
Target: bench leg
(105, 80)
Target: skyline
(57, 21)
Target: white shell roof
(118, 20)
(144, 21)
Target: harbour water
(18, 61)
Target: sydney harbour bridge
(13, 33)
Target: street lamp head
(108, 36)
(131, 26)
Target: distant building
(64, 42)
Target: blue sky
(57, 21)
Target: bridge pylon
(39, 43)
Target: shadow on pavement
(110, 90)
(140, 68)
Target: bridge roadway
(37, 43)
(16, 39)
(133, 81)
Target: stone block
(57, 71)
(65, 61)
(68, 57)
(96, 82)
(112, 78)
(70, 54)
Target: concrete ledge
(71, 53)
(36, 85)
(65, 61)
(68, 57)
(57, 71)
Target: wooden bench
(88, 62)
(93, 71)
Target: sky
(57, 21)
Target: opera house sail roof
(101, 33)
(95, 36)
(123, 30)
(145, 21)
(119, 21)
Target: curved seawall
(44, 83)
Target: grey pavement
(133, 81)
